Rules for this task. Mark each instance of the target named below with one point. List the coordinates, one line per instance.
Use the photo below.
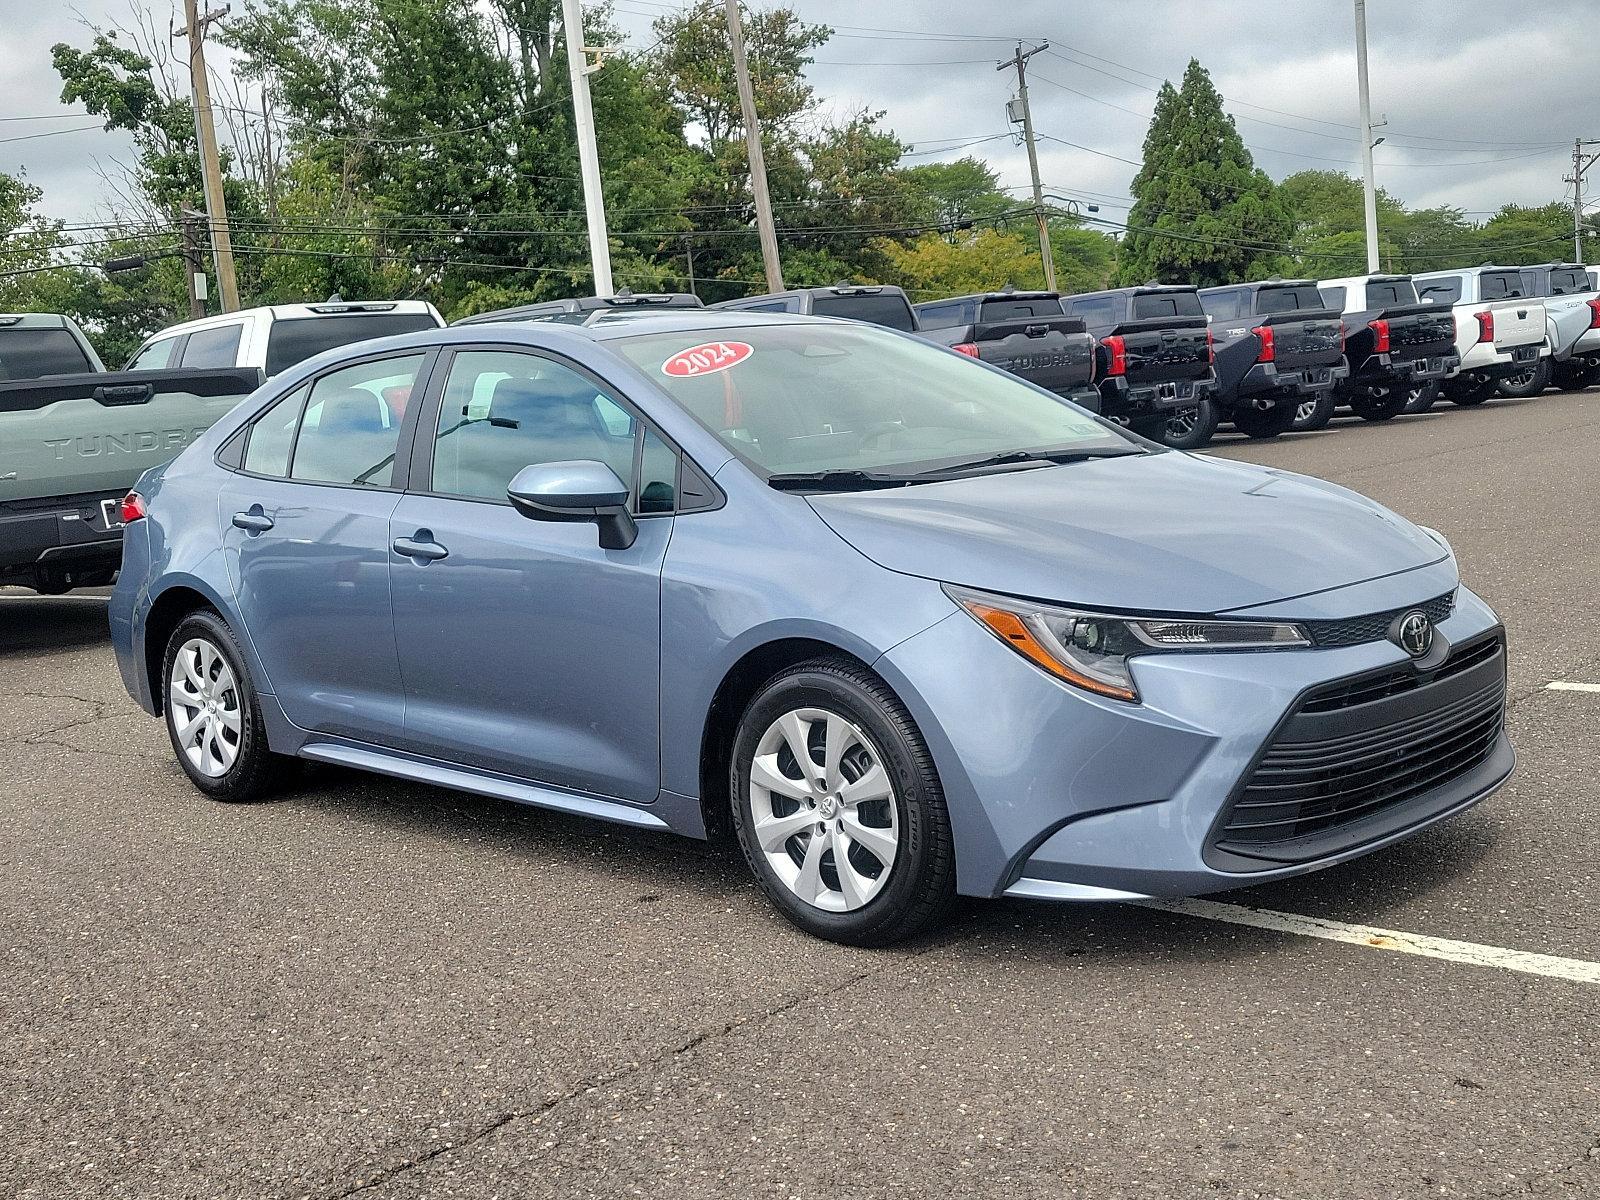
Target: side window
(272, 436)
(1333, 297)
(216, 347)
(351, 428)
(539, 411)
(1095, 310)
(1221, 306)
(155, 356)
(938, 316)
(1444, 290)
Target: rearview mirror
(579, 490)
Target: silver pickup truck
(75, 437)
(1500, 330)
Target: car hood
(1167, 532)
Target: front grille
(1353, 631)
(1366, 747)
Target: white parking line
(1561, 685)
(1470, 953)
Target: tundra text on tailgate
(1025, 333)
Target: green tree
(955, 193)
(1203, 213)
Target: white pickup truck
(276, 337)
(1500, 331)
(1572, 326)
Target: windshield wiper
(1008, 458)
(840, 479)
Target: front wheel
(1313, 412)
(213, 716)
(1190, 428)
(1265, 423)
(838, 807)
(1526, 383)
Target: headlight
(1091, 650)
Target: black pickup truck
(1277, 345)
(874, 303)
(1153, 353)
(1399, 350)
(1025, 333)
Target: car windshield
(806, 398)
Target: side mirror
(580, 490)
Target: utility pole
(189, 223)
(752, 141)
(1580, 164)
(1370, 188)
(688, 254)
(1020, 62)
(594, 204)
(210, 166)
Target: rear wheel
(1265, 423)
(1469, 390)
(1191, 428)
(1422, 397)
(1378, 404)
(1529, 382)
(838, 807)
(1572, 378)
(1313, 412)
(212, 713)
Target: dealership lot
(367, 987)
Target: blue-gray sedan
(905, 625)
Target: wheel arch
(176, 600)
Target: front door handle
(254, 521)
(422, 547)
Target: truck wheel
(1190, 428)
(1150, 428)
(838, 807)
(1380, 404)
(1423, 397)
(1570, 378)
(1263, 424)
(1313, 412)
(1469, 391)
(1531, 382)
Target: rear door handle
(254, 521)
(422, 547)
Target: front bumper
(1057, 794)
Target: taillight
(1380, 336)
(1342, 335)
(1117, 354)
(1269, 349)
(132, 508)
(1485, 326)
(1211, 348)
(970, 349)
(1594, 314)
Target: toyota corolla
(903, 624)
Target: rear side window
(1288, 299)
(1167, 304)
(215, 347)
(351, 427)
(30, 353)
(1384, 295)
(1566, 283)
(1222, 306)
(1500, 285)
(1016, 310)
(1333, 297)
(272, 436)
(939, 316)
(155, 356)
(296, 339)
(1095, 310)
(879, 308)
(1445, 290)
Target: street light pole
(594, 205)
(1369, 187)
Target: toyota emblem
(1413, 633)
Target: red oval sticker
(707, 358)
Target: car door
(526, 648)
(305, 531)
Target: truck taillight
(1211, 348)
(1116, 355)
(1380, 336)
(1485, 326)
(132, 508)
(1343, 333)
(970, 349)
(1594, 314)
(1269, 349)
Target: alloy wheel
(1182, 422)
(204, 707)
(1305, 410)
(823, 809)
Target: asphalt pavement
(373, 988)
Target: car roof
(631, 302)
(289, 312)
(1013, 294)
(33, 321)
(1258, 284)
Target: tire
(1422, 397)
(1190, 428)
(790, 832)
(1571, 378)
(1313, 412)
(204, 679)
(1264, 424)
(1531, 382)
(1379, 404)
(1150, 428)
(1468, 392)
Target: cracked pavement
(378, 989)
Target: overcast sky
(1482, 99)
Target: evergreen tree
(1204, 214)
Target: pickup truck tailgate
(1302, 339)
(1419, 331)
(1516, 323)
(1165, 349)
(1053, 352)
(98, 432)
